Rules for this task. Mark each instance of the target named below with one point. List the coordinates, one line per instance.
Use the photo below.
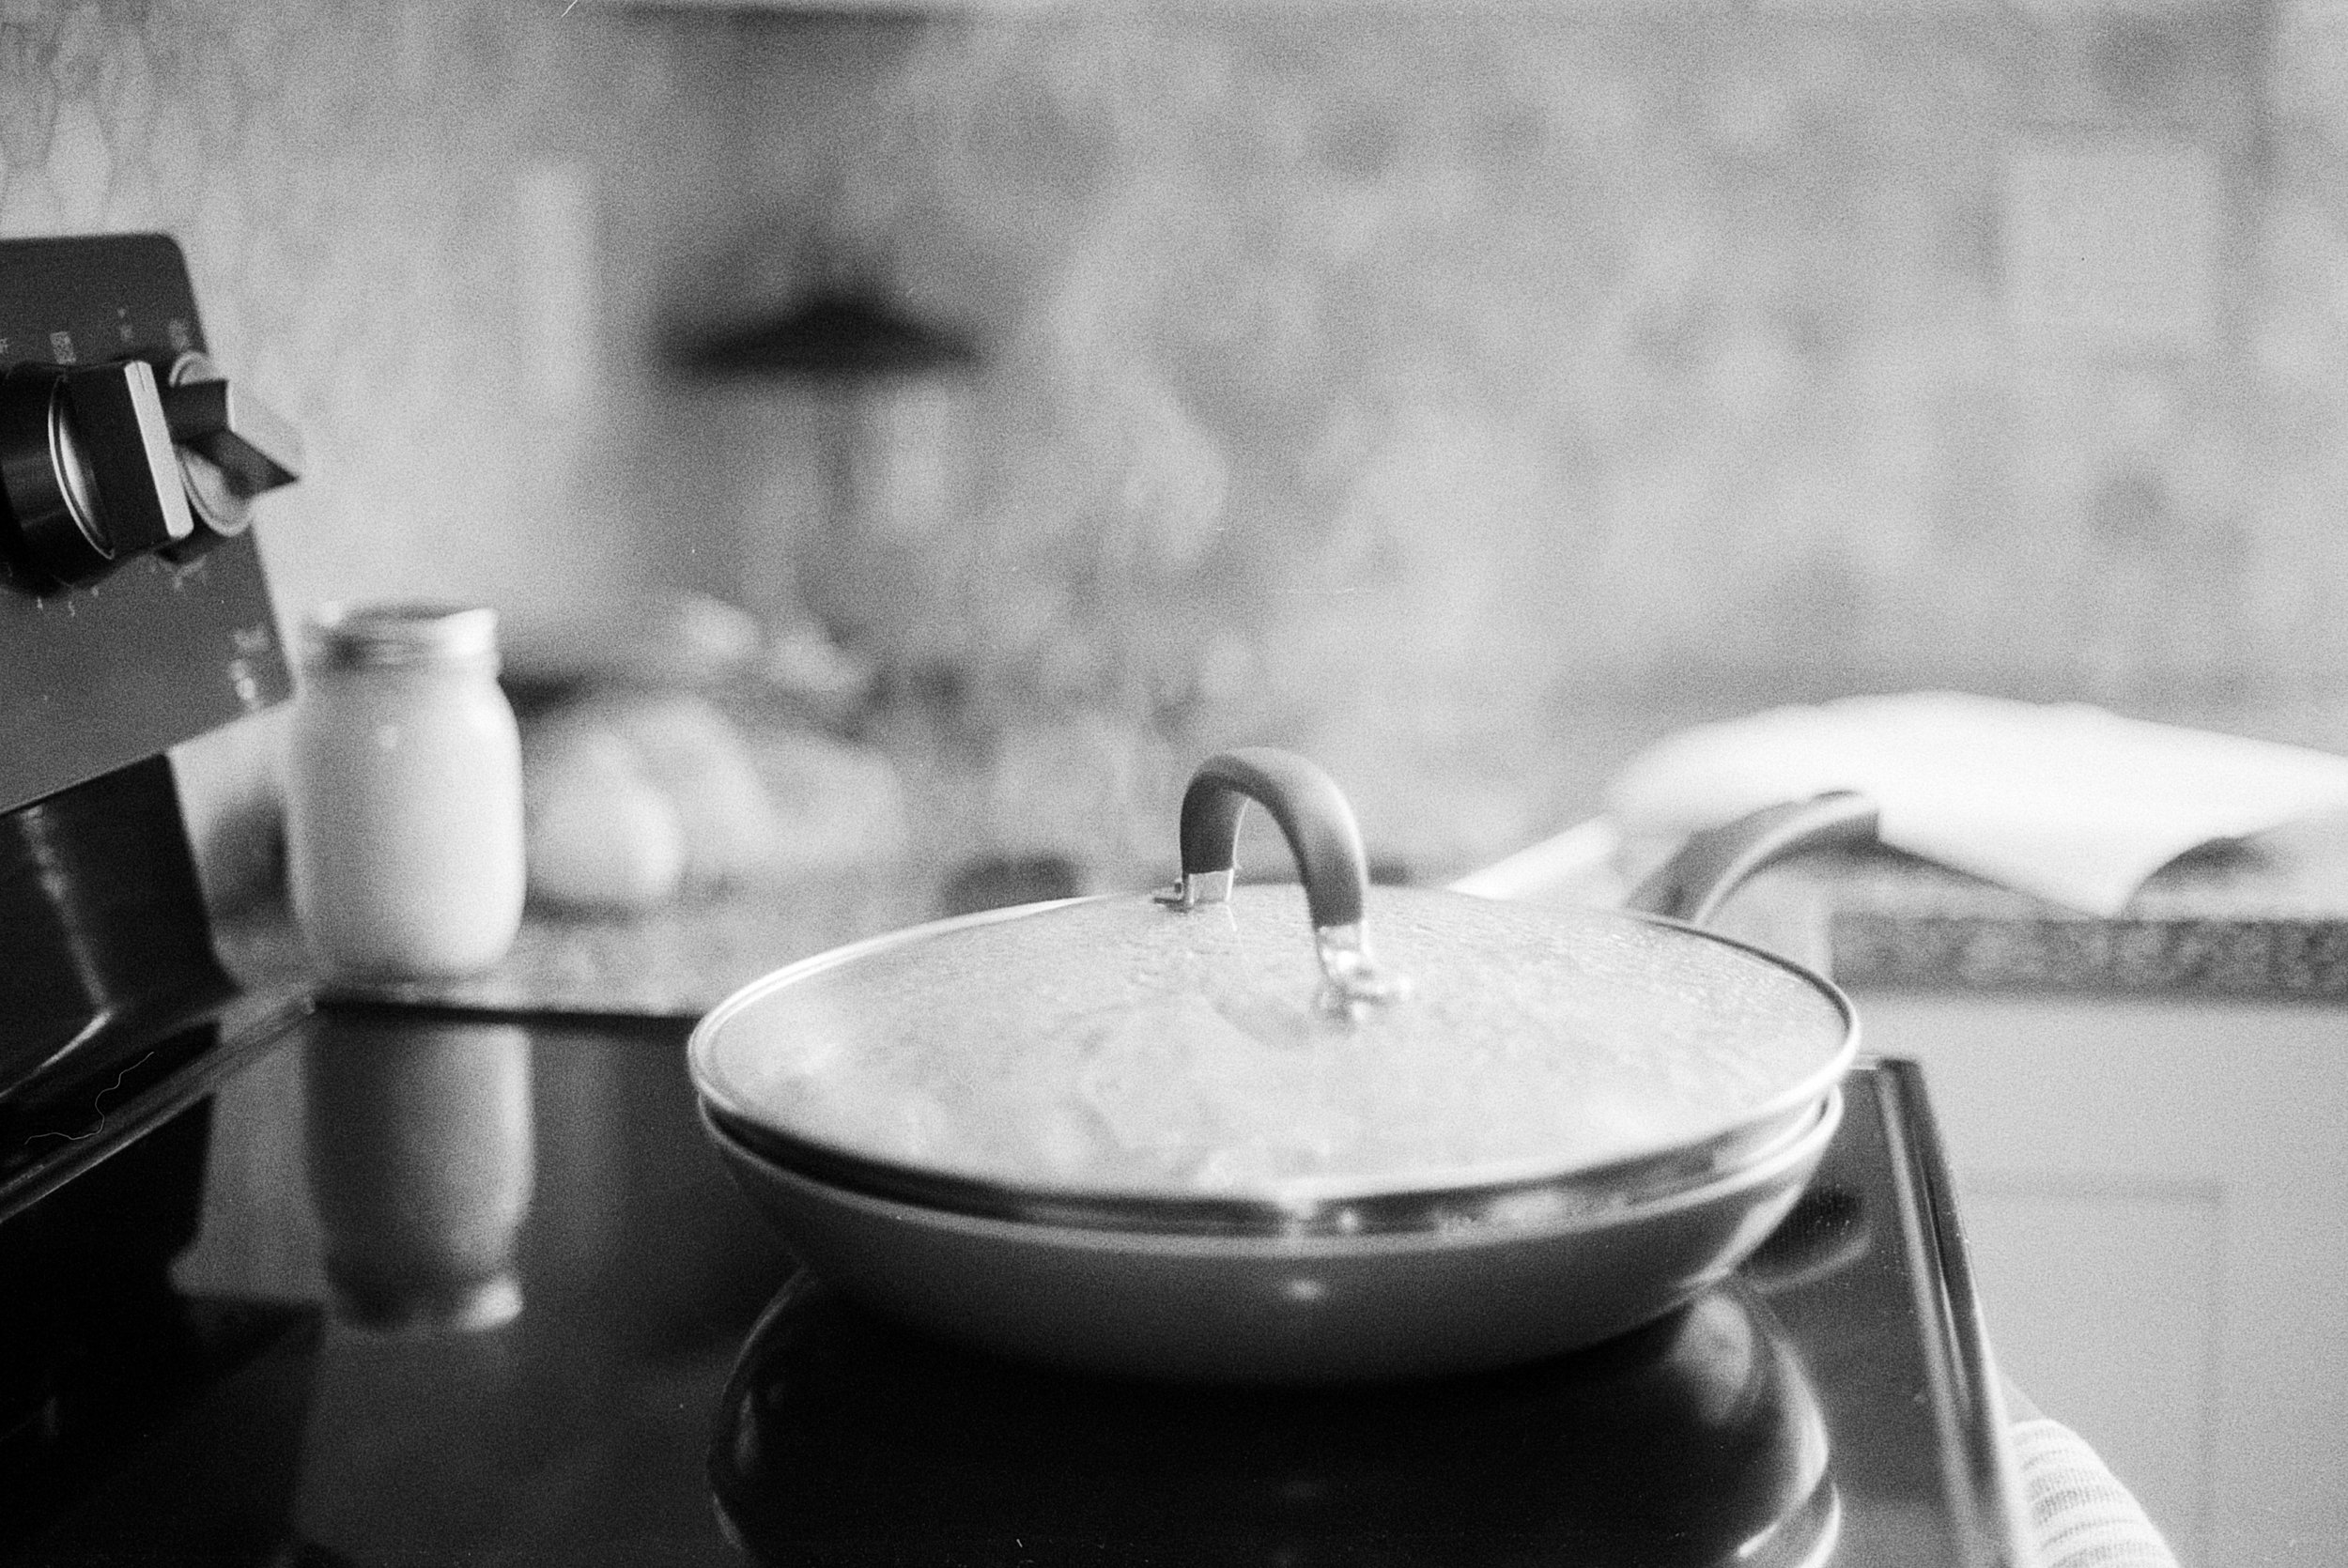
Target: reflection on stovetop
(1820, 1408)
(1695, 1441)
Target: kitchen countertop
(2264, 922)
(2227, 927)
(2238, 924)
(2233, 926)
(674, 962)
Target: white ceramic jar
(403, 793)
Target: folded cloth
(2080, 1515)
(2064, 801)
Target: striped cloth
(2080, 1515)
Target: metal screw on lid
(344, 637)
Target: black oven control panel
(133, 611)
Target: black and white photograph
(1173, 783)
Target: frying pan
(1167, 1136)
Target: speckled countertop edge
(2235, 926)
(1880, 923)
(2231, 926)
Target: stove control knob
(232, 448)
(87, 461)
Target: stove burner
(1696, 1440)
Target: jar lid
(418, 633)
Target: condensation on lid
(1114, 1045)
(340, 635)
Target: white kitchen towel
(2080, 1515)
(2065, 801)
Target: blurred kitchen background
(1467, 396)
(1462, 396)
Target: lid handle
(1715, 863)
(1318, 823)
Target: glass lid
(1245, 1042)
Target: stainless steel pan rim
(1407, 1203)
(1482, 1208)
(1463, 1227)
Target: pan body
(1272, 1308)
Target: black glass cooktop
(669, 1393)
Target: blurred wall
(1402, 388)
(1416, 386)
(367, 197)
